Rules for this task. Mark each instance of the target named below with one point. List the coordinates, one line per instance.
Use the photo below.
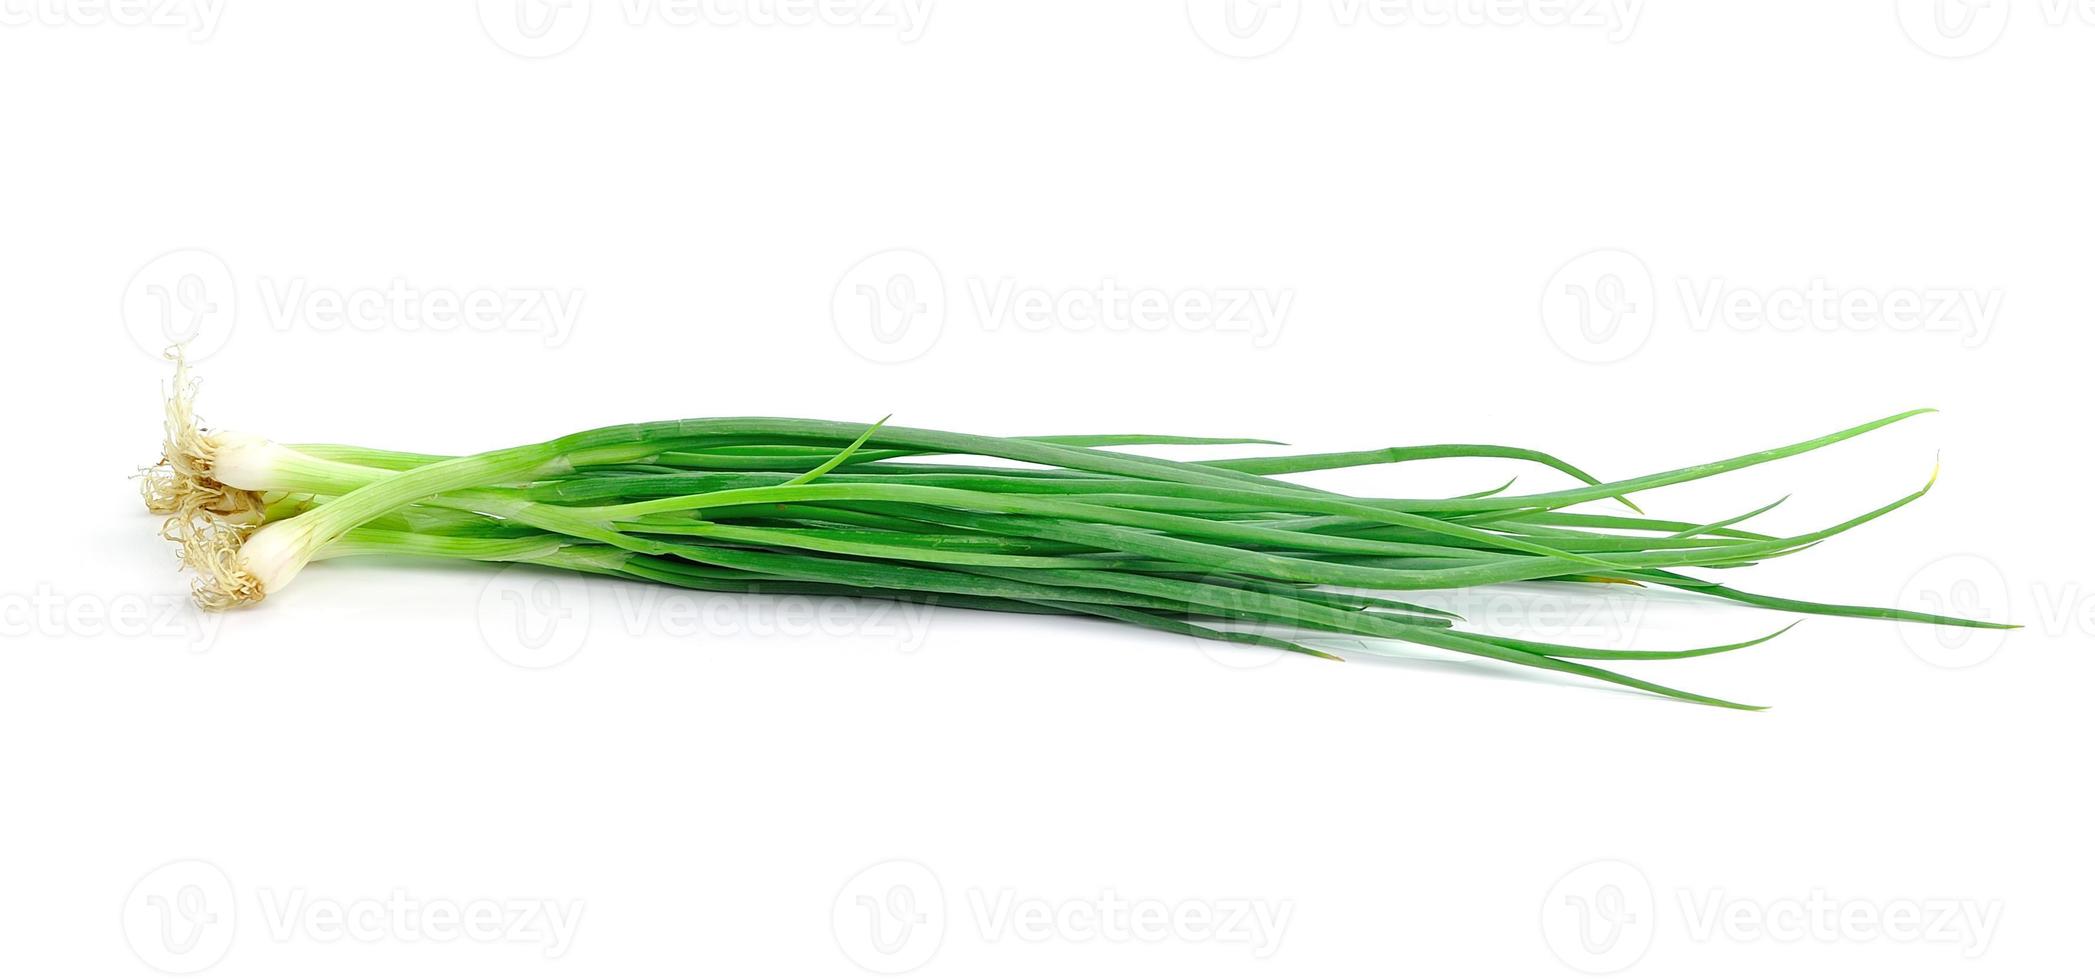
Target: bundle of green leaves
(1223, 548)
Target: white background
(706, 780)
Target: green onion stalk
(1221, 548)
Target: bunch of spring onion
(1223, 549)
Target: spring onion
(1221, 548)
